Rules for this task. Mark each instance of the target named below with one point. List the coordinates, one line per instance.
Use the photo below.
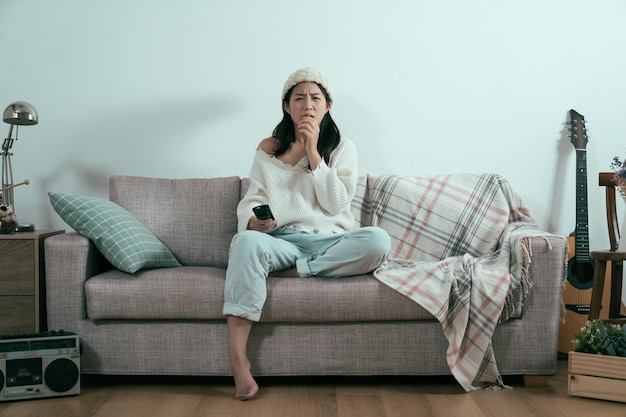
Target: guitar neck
(582, 213)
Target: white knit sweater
(313, 200)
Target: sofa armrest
(538, 329)
(70, 260)
(547, 270)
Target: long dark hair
(286, 134)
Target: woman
(307, 174)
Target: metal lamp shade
(20, 113)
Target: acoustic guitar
(580, 267)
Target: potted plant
(597, 366)
(600, 337)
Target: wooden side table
(22, 282)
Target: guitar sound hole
(580, 274)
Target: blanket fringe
(498, 384)
(515, 300)
(400, 264)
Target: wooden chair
(615, 257)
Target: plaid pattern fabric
(121, 238)
(460, 243)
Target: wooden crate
(597, 376)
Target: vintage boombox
(39, 365)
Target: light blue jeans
(254, 255)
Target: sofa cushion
(348, 299)
(122, 239)
(180, 293)
(197, 293)
(195, 218)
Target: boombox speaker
(39, 365)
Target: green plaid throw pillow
(121, 238)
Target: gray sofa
(169, 321)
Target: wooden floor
(115, 397)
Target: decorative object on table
(8, 223)
(594, 370)
(7, 219)
(16, 114)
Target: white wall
(187, 89)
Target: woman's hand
(262, 226)
(309, 132)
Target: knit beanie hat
(306, 74)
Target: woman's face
(307, 100)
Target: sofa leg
(535, 380)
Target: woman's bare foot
(245, 385)
(238, 331)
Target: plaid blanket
(460, 248)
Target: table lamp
(16, 114)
